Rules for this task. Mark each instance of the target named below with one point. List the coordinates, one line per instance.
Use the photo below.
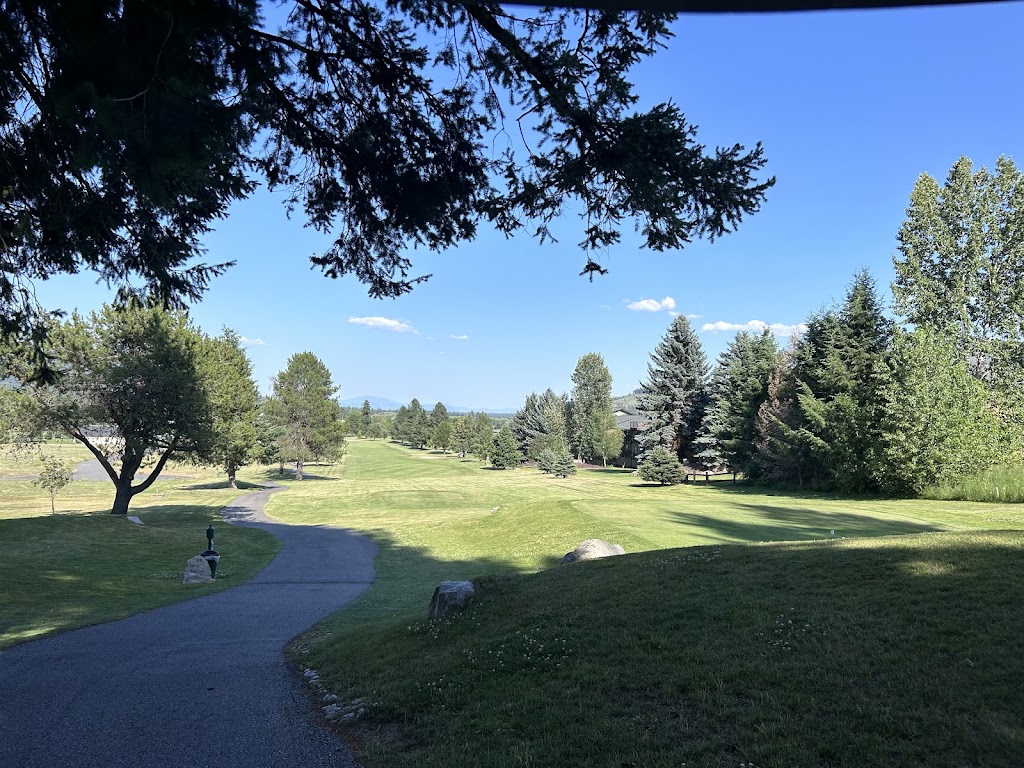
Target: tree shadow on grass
(221, 485)
(766, 522)
(274, 476)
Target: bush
(661, 466)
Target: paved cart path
(201, 683)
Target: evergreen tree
(418, 432)
(540, 424)
(234, 400)
(366, 421)
(304, 409)
(400, 427)
(462, 433)
(842, 365)
(130, 128)
(440, 427)
(546, 460)
(563, 465)
(590, 405)
(937, 425)
(782, 452)
(442, 436)
(505, 454)
(674, 398)
(660, 465)
(483, 436)
(739, 386)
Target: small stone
(348, 716)
(134, 519)
(360, 713)
(330, 697)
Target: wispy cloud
(250, 342)
(652, 305)
(694, 317)
(778, 329)
(460, 338)
(384, 323)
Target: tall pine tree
(739, 386)
(674, 398)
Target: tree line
(140, 385)
(859, 401)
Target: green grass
(896, 651)
(999, 484)
(84, 566)
(673, 656)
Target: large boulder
(592, 549)
(197, 571)
(448, 595)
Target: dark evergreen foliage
(660, 465)
(674, 398)
(128, 128)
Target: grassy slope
(84, 566)
(901, 651)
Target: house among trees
(629, 421)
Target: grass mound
(897, 651)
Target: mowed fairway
(888, 643)
(437, 516)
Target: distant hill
(383, 404)
(625, 403)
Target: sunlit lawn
(438, 516)
(850, 647)
(84, 566)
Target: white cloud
(694, 317)
(652, 305)
(250, 342)
(460, 338)
(756, 326)
(384, 323)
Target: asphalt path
(200, 683)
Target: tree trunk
(231, 477)
(122, 498)
(298, 469)
(280, 468)
(53, 508)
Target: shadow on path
(198, 683)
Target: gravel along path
(203, 683)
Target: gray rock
(448, 595)
(135, 519)
(592, 549)
(197, 571)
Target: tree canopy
(129, 128)
(138, 372)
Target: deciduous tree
(590, 406)
(136, 370)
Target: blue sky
(850, 106)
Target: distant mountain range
(383, 404)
